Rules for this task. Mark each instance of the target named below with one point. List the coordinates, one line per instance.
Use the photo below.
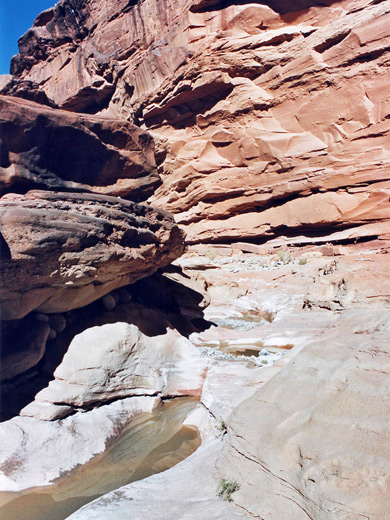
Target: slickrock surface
(311, 441)
(116, 361)
(62, 251)
(315, 439)
(270, 119)
(186, 491)
(35, 452)
(57, 150)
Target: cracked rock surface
(56, 150)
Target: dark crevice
(96, 404)
(90, 100)
(331, 42)
(318, 235)
(167, 302)
(5, 253)
(280, 6)
(366, 57)
(129, 7)
(182, 111)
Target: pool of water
(152, 443)
(249, 319)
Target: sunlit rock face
(116, 361)
(61, 251)
(271, 119)
(320, 449)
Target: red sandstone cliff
(264, 121)
(269, 120)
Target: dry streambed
(264, 318)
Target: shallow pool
(151, 443)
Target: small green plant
(302, 260)
(226, 487)
(222, 427)
(211, 254)
(285, 257)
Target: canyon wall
(264, 122)
(270, 119)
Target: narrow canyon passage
(194, 261)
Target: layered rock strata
(57, 150)
(270, 120)
(62, 251)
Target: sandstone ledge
(62, 251)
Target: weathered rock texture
(57, 150)
(314, 439)
(271, 120)
(321, 447)
(62, 251)
(311, 441)
(116, 361)
(34, 453)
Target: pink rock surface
(270, 120)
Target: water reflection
(152, 443)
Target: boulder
(116, 361)
(62, 251)
(56, 150)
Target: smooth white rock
(35, 452)
(117, 360)
(185, 492)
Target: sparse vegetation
(222, 427)
(226, 487)
(285, 257)
(302, 260)
(211, 254)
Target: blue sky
(16, 16)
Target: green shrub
(302, 261)
(226, 487)
(222, 427)
(285, 257)
(211, 254)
